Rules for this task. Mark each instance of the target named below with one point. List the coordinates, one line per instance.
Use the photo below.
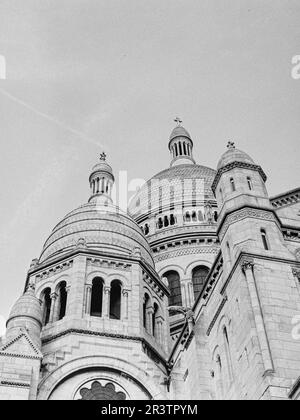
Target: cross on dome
(178, 121)
(103, 156)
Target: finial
(103, 156)
(178, 121)
(231, 145)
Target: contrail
(82, 136)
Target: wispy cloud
(50, 118)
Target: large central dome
(148, 198)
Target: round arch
(62, 373)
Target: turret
(102, 181)
(246, 221)
(180, 145)
(26, 314)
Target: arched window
(62, 300)
(160, 223)
(172, 220)
(176, 150)
(249, 181)
(232, 183)
(175, 288)
(46, 302)
(194, 216)
(216, 216)
(115, 300)
(154, 319)
(146, 230)
(97, 297)
(199, 275)
(184, 148)
(187, 216)
(265, 239)
(166, 221)
(145, 307)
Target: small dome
(27, 306)
(98, 227)
(234, 155)
(179, 131)
(102, 166)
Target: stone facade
(195, 294)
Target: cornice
(51, 264)
(288, 198)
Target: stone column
(150, 312)
(184, 292)
(53, 310)
(68, 288)
(159, 331)
(124, 304)
(88, 299)
(247, 267)
(106, 302)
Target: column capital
(150, 310)
(125, 292)
(296, 272)
(107, 289)
(54, 296)
(247, 264)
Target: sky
(83, 76)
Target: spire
(102, 180)
(180, 145)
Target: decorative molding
(150, 281)
(244, 213)
(214, 320)
(236, 164)
(187, 251)
(54, 270)
(107, 263)
(247, 264)
(287, 199)
(15, 384)
(291, 234)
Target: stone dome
(234, 155)
(147, 199)
(102, 166)
(28, 306)
(179, 131)
(99, 228)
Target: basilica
(191, 294)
